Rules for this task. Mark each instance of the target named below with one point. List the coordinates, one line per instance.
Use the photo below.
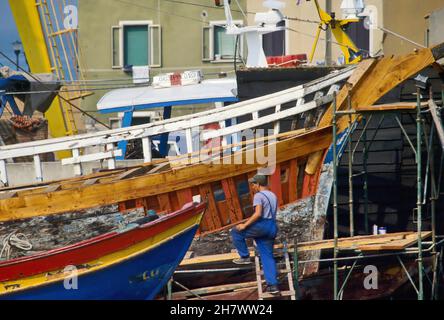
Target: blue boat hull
(139, 278)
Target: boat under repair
(64, 212)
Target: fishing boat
(133, 262)
(302, 177)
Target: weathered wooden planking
(293, 181)
(396, 244)
(212, 212)
(194, 175)
(52, 232)
(400, 106)
(164, 202)
(213, 290)
(275, 184)
(235, 210)
(380, 77)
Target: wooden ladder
(259, 273)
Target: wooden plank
(230, 191)
(184, 196)
(8, 195)
(374, 78)
(275, 184)
(144, 186)
(130, 173)
(396, 244)
(91, 182)
(212, 290)
(53, 188)
(164, 202)
(206, 193)
(224, 212)
(400, 106)
(293, 181)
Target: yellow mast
(31, 33)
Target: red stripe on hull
(91, 249)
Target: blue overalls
(264, 233)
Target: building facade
(163, 35)
(404, 17)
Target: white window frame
(151, 27)
(211, 27)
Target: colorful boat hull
(136, 272)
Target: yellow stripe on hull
(103, 262)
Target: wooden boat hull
(132, 265)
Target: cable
(72, 90)
(400, 37)
(67, 101)
(240, 8)
(161, 11)
(244, 13)
(331, 41)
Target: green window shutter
(224, 45)
(115, 39)
(156, 45)
(207, 47)
(136, 46)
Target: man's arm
(255, 217)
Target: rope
(14, 240)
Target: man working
(262, 228)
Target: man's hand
(241, 227)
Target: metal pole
(365, 155)
(335, 201)
(170, 289)
(419, 192)
(350, 168)
(296, 268)
(17, 57)
(328, 37)
(433, 199)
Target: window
(219, 46)
(360, 35)
(136, 43)
(275, 43)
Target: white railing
(108, 139)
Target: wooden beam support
(233, 203)
(206, 192)
(293, 181)
(276, 186)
